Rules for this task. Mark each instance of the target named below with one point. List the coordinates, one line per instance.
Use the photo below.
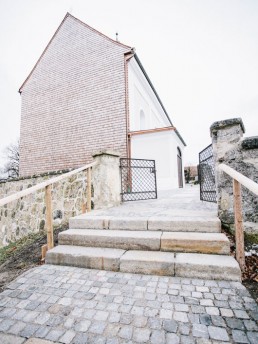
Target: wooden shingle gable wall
(74, 100)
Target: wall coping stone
(45, 174)
(226, 123)
(106, 152)
(250, 143)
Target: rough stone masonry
(241, 154)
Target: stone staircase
(178, 246)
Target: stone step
(85, 257)
(216, 243)
(212, 243)
(127, 240)
(154, 223)
(145, 262)
(190, 265)
(207, 266)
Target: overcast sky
(201, 56)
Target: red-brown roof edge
(91, 28)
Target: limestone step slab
(207, 266)
(127, 240)
(184, 224)
(192, 265)
(153, 223)
(145, 262)
(85, 257)
(213, 243)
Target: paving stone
(187, 340)
(38, 341)
(140, 321)
(82, 326)
(225, 312)
(11, 339)
(194, 318)
(114, 317)
(253, 337)
(17, 327)
(206, 302)
(250, 325)
(198, 309)
(218, 321)
(221, 304)
(97, 327)
(81, 338)
(181, 307)
(235, 324)
(5, 324)
(241, 314)
(170, 326)
(157, 337)
(126, 319)
(239, 336)
(200, 330)
(154, 323)
(29, 330)
(55, 334)
(172, 338)
(205, 319)
(101, 315)
(212, 310)
(126, 332)
(218, 333)
(165, 314)
(184, 329)
(141, 335)
(42, 332)
(151, 312)
(180, 316)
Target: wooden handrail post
(89, 189)
(239, 229)
(49, 219)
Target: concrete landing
(174, 210)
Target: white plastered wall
(159, 146)
(142, 98)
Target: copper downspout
(128, 56)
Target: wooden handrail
(239, 179)
(42, 185)
(48, 199)
(248, 183)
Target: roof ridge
(55, 33)
(97, 31)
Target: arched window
(142, 120)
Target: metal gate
(138, 179)
(207, 175)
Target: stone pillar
(106, 179)
(226, 136)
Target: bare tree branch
(12, 157)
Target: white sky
(201, 56)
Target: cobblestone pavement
(72, 305)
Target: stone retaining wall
(241, 154)
(26, 215)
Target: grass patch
(16, 247)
